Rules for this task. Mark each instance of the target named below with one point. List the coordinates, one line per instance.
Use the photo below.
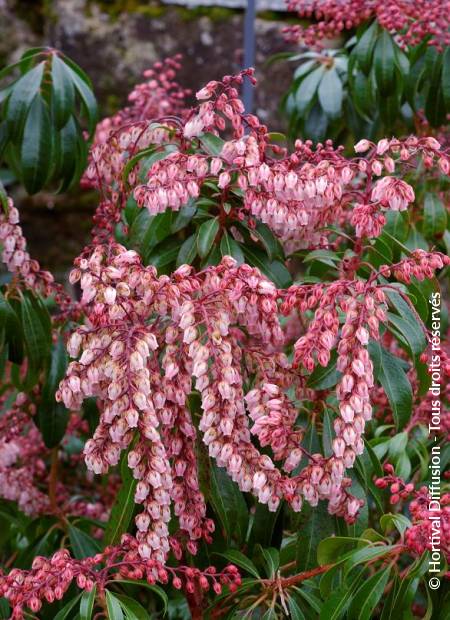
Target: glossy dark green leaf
(72, 153)
(270, 243)
(113, 606)
(272, 561)
(52, 417)
(229, 504)
(132, 609)
(87, 604)
(230, 247)
(239, 559)
(434, 216)
(274, 270)
(335, 607)
(314, 525)
(183, 217)
(37, 333)
(123, 508)
(86, 95)
(212, 143)
(331, 93)
(364, 48)
(206, 236)
(65, 611)
(395, 383)
(82, 544)
(36, 149)
(164, 254)
(295, 610)
(384, 63)
(153, 588)
(369, 595)
(158, 229)
(12, 330)
(188, 251)
(446, 78)
(22, 95)
(63, 93)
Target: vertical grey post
(249, 52)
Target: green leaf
(331, 93)
(65, 611)
(11, 329)
(366, 554)
(159, 228)
(395, 383)
(272, 561)
(211, 143)
(363, 50)
(188, 251)
(368, 596)
(87, 604)
(294, 609)
(239, 559)
(85, 93)
(434, 216)
(113, 606)
(183, 217)
(230, 247)
(336, 606)
(37, 333)
(72, 154)
(275, 270)
(82, 544)
(52, 417)
(228, 503)
(206, 236)
(314, 525)
(124, 506)
(446, 78)
(327, 433)
(143, 584)
(306, 93)
(384, 63)
(63, 93)
(270, 243)
(334, 548)
(164, 254)
(399, 521)
(132, 609)
(36, 149)
(23, 93)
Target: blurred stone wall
(114, 41)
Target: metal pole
(249, 52)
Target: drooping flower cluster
(411, 21)
(17, 260)
(148, 337)
(49, 578)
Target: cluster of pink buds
(411, 22)
(159, 96)
(420, 265)
(399, 489)
(21, 265)
(49, 578)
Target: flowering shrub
(246, 357)
(372, 68)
